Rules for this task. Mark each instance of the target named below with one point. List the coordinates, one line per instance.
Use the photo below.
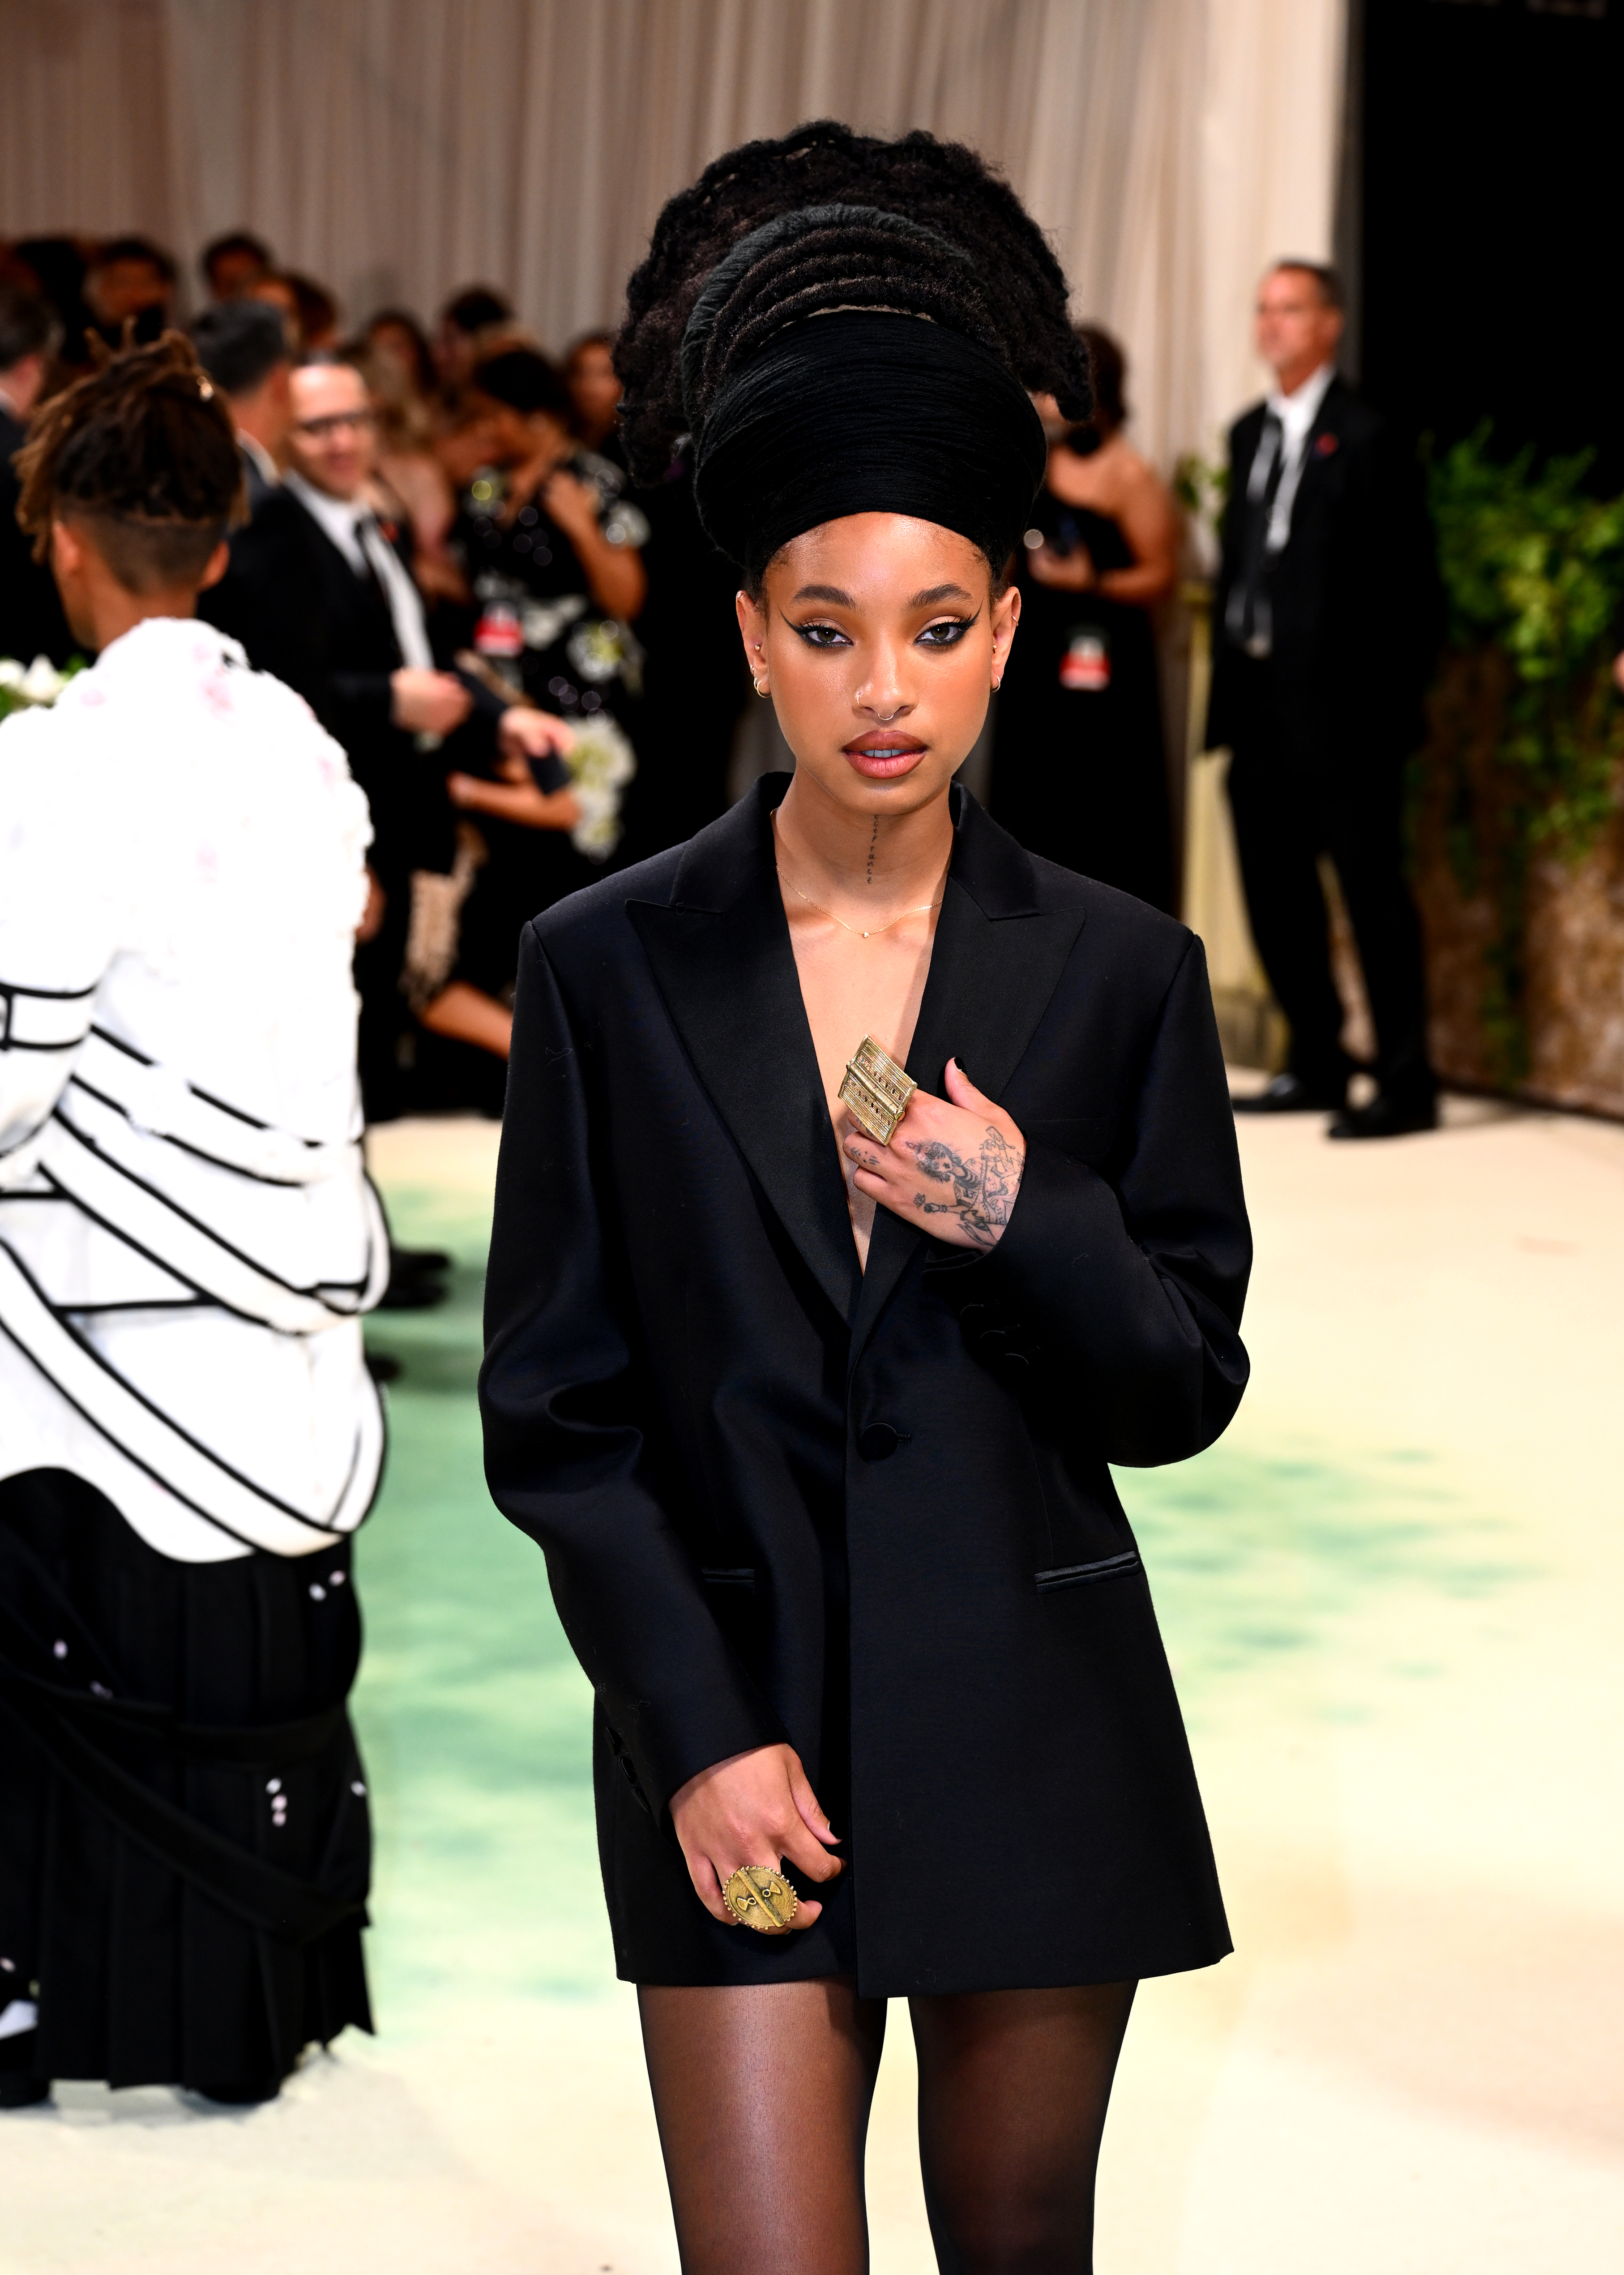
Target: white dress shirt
(187, 1237)
(1297, 413)
(353, 527)
(264, 466)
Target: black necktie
(1248, 611)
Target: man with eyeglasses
(337, 614)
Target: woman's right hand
(756, 1808)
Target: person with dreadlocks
(188, 1434)
(867, 1185)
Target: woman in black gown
(1079, 761)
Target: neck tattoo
(872, 841)
(859, 931)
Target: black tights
(762, 2097)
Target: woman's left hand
(953, 1168)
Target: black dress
(869, 1512)
(694, 681)
(533, 620)
(31, 619)
(1079, 761)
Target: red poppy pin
(391, 530)
(1324, 444)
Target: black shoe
(415, 1284)
(238, 2096)
(419, 1259)
(1386, 1117)
(18, 2090)
(1288, 1094)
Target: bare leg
(762, 2096)
(469, 1015)
(1013, 2091)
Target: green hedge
(1527, 731)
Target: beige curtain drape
(395, 149)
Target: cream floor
(1392, 1597)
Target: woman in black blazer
(812, 1425)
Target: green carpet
(473, 1718)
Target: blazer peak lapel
(728, 981)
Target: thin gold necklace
(924, 909)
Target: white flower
(602, 761)
(39, 682)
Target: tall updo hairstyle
(847, 325)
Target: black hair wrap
(859, 408)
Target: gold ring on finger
(761, 1898)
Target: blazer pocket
(1080, 1576)
(742, 1576)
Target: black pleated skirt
(184, 1846)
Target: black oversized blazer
(770, 1487)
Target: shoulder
(64, 781)
(1347, 414)
(282, 516)
(1112, 923)
(1244, 433)
(28, 737)
(585, 925)
(283, 524)
(1127, 474)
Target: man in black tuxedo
(1326, 623)
(243, 346)
(320, 595)
(31, 619)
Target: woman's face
(881, 642)
(508, 437)
(595, 389)
(393, 345)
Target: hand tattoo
(984, 1188)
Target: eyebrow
(928, 599)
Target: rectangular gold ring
(877, 1090)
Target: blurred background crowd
(443, 537)
(444, 534)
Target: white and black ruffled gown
(188, 1434)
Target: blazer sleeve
(565, 1400)
(1129, 1291)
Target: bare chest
(852, 987)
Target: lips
(882, 756)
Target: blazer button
(878, 1441)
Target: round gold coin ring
(759, 1897)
